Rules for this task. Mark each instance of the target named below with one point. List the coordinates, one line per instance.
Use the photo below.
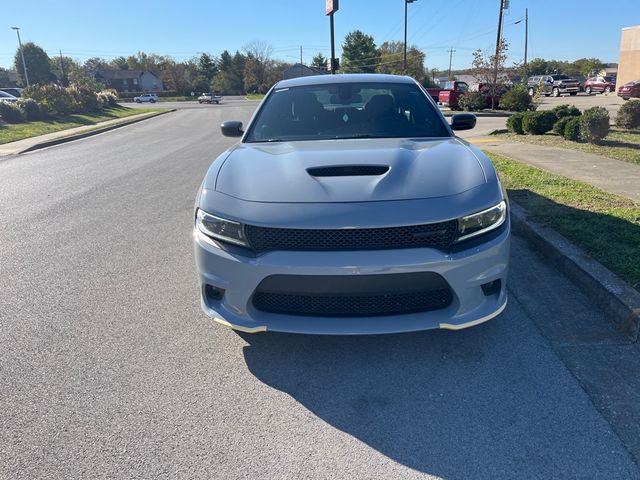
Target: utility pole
(526, 39)
(498, 41)
(331, 7)
(451, 50)
(24, 64)
(301, 67)
(64, 75)
(406, 3)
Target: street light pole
(24, 64)
(406, 2)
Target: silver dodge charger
(350, 207)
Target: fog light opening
(492, 288)
(214, 293)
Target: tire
(531, 92)
(555, 92)
(138, 101)
(607, 89)
(587, 90)
(217, 103)
(152, 101)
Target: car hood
(292, 172)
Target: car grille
(437, 235)
(352, 295)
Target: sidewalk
(611, 175)
(70, 134)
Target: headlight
(482, 222)
(220, 229)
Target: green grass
(619, 144)
(20, 131)
(254, 96)
(606, 226)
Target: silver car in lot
(350, 207)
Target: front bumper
(464, 271)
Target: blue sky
(81, 29)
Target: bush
(571, 129)
(565, 110)
(514, 123)
(629, 115)
(472, 101)
(517, 100)
(109, 98)
(594, 124)
(53, 99)
(558, 127)
(538, 123)
(85, 98)
(11, 113)
(31, 109)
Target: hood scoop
(347, 170)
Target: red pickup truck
(450, 94)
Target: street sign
(330, 6)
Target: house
(300, 70)
(130, 80)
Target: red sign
(330, 6)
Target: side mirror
(232, 128)
(463, 121)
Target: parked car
(147, 97)
(555, 85)
(6, 97)
(630, 90)
(16, 92)
(450, 94)
(600, 84)
(454, 85)
(209, 98)
(350, 207)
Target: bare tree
(490, 70)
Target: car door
(547, 84)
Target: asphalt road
(108, 369)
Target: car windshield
(346, 110)
(561, 77)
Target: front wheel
(531, 92)
(556, 92)
(152, 101)
(607, 89)
(138, 101)
(587, 90)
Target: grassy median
(20, 131)
(619, 144)
(604, 225)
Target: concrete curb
(618, 300)
(89, 133)
(450, 113)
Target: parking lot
(610, 101)
(110, 370)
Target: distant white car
(5, 97)
(209, 98)
(147, 97)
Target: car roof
(344, 78)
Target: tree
(93, 64)
(392, 60)
(120, 63)
(37, 60)
(5, 79)
(585, 66)
(257, 65)
(207, 67)
(359, 53)
(61, 66)
(489, 69)
(178, 76)
(230, 79)
(320, 61)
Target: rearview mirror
(232, 128)
(463, 121)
